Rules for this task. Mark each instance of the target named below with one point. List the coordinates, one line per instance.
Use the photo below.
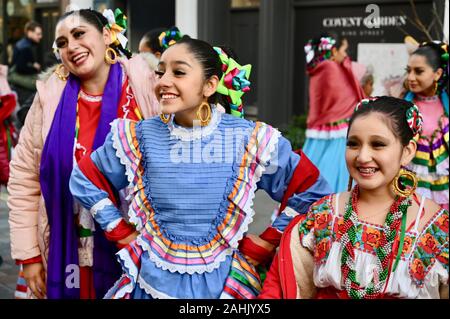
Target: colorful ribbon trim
(234, 82)
(169, 37)
(117, 24)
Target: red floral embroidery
(443, 222)
(371, 238)
(339, 228)
(322, 220)
(429, 244)
(309, 223)
(443, 258)
(417, 269)
(322, 249)
(407, 244)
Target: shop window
(237, 4)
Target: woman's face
(181, 85)
(340, 54)
(374, 154)
(81, 46)
(421, 77)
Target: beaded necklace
(427, 98)
(383, 251)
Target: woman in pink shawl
(333, 93)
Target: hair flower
(234, 82)
(117, 24)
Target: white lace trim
(131, 175)
(195, 133)
(101, 204)
(85, 218)
(86, 251)
(308, 241)
(312, 133)
(152, 291)
(131, 272)
(90, 98)
(288, 211)
(113, 224)
(182, 269)
(265, 160)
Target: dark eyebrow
(162, 63)
(71, 31)
(77, 27)
(183, 63)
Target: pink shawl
(334, 92)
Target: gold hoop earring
(165, 119)
(404, 191)
(204, 121)
(110, 56)
(60, 74)
(435, 87)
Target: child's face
(181, 85)
(374, 154)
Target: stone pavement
(263, 206)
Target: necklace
(383, 251)
(427, 98)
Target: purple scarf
(56, 167)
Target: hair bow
(234, 82)
(117, 24)
(169, 37)
(364, 102)
(415, 121)
(317, 52)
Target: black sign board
(363, 23)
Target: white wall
(81, 4)
(446, 22)
(186, 17)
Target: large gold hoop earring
(435, 87)
(204, 106)
(110, 56)
(402, 190)
(60, 74)
(165, 118)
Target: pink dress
(431, 160)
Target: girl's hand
(35, 277)
(125, 241)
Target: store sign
(349, 22)
(385, 23)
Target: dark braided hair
(97, 20)
(394, 111)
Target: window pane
(245, 3)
